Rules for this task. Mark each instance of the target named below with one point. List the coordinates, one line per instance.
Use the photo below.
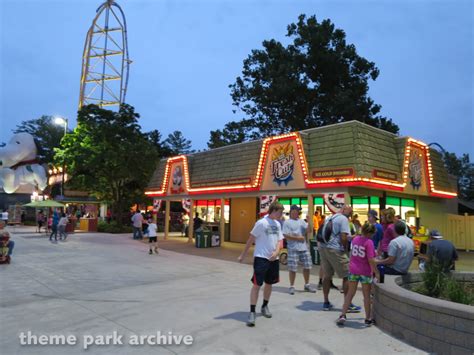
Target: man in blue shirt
(373, 218)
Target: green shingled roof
(353, 145)
(345, 145)
(157, 178)
(440, 175)
(225, 165)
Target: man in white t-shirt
(295, 231)
(266, 234)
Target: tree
(47, 136)
(316, 80)
(233, 133)
(177, 144)
(162, 149)
(463, 169)
(108, 156)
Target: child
(152, 238)
(361, 268)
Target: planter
(428, 323)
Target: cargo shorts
(334, 261)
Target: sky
(186, 53)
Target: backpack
(325, 232)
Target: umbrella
(46, 203)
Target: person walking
(137, 223)
(295, 231)
(152, 237)
(62, 227)
(266, 234)
(54, 226)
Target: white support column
(167, 219)
(310, 215)
(191, 222)
(222, 220)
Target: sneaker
(251, 319)
(320, 286)
(150, 252)
(309, 288)
(334, 287)
(353, 309)
(327, 306)
(341, 320)
(368, 322)
(266, 312)
(291, 290)
(156, 250)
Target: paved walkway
(94, 284)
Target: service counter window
(303, 203)
(361, 206)
(405, 207)
(210, 210)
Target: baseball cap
(435, 234)
(295, 207)
(373, 213)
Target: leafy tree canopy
(46, 133)
(109, 156)
(177, 144)
(316, 80)
(463, 169)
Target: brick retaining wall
(428, 323)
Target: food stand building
(320, 168)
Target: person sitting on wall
(440, 250)
(6, 245)
(197, 223)
(400, 252)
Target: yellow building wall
(433, 214)
(243, 212)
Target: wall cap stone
(392, 288)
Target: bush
(113, 227)
(455, 292)
(440, 284)
(434, 279)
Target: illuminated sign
(415, 166)
(332, 173)
(283, 164)
(382, 174)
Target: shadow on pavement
(238, 316)
(310, 306)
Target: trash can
(203, 239)
(313, 247)
(215, 237)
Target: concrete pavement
(95, 284)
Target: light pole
(62, 121)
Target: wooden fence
(460, 230)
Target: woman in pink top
(361, 268)
(388, 217)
